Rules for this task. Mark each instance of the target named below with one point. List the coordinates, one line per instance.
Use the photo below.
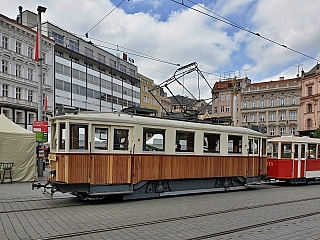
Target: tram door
(299, 160)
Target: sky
(179, 32)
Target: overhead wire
(225, 20)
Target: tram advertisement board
(40, 128)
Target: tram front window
(78, 136)
(121, 139)
(101, 138)
(286, 150)
(253, 146)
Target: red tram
(294, 159)
(98, 154)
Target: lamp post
(40, 10)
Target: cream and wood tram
(96, 154)
(294, 159)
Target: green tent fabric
(18, 145)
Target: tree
(317, 133)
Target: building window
(4, 42)
(5, 90)
(292, 115)
(309, 124)
(4, 66)
(215, 110)
(88, 52)
(282, 102)
(309, 91)
(272, 103)
(132, 72)
(101, 58)
(253, 104)
(271, 116)
(112, 63)
(222, 109)
(58, 53)
(262, 103)
(18, 70)
(272, 131)
(292, 131)
(293, 101)
(57, 38)
(30, 95)
(222, 98)
(18, 47)
(30, 52)
(309, 108)
(262, 118)
(227, 97)
(18, 93)
(281, 116)
(146, 99)
(253, 118)
(281, 131)
(245, 105)
(123, 68)
(245, 118)
(74, 46)
(30, 74)
(227, 109)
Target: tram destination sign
(40, 128)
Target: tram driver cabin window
(121, 139)
(234, 144)
(184, 141)
(211, 143)
(101, 138)
(253, 146)
(78, 136)
(62, 136)
(312, 151)
(153, 139)
(286, 150)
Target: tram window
(312, 151)
(296, 150)
(101, 138)
(153, 139)
(286, 150)
(62, 135)
(234, 144)
(253, 146)
(211, 143)
(318, 151)
(121, 139)
(184, 141)
(303, 151)
(78, 136)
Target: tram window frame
(62, 136)
(253, 150)
(318, 156)
(121, 134)
(148, 133)
(103, 137)
(286, 153)
(75, 138)
(236, 142)
(312, 155)
(187, 136)
(53, 137)
(211, 142)
(264, 146)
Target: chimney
(281, 78)
(20, 13)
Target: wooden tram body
(294, 159)
(96, 154)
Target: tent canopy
(18, 145)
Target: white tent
(18, 145)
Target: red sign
(40, 126)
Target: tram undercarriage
(149, 189)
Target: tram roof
(297, 139)
(151, 121)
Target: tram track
(193, 216)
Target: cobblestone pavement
(27, 214)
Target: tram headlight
(53, 173)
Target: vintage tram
(98, 154)
(294, 159)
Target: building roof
(280, 81)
